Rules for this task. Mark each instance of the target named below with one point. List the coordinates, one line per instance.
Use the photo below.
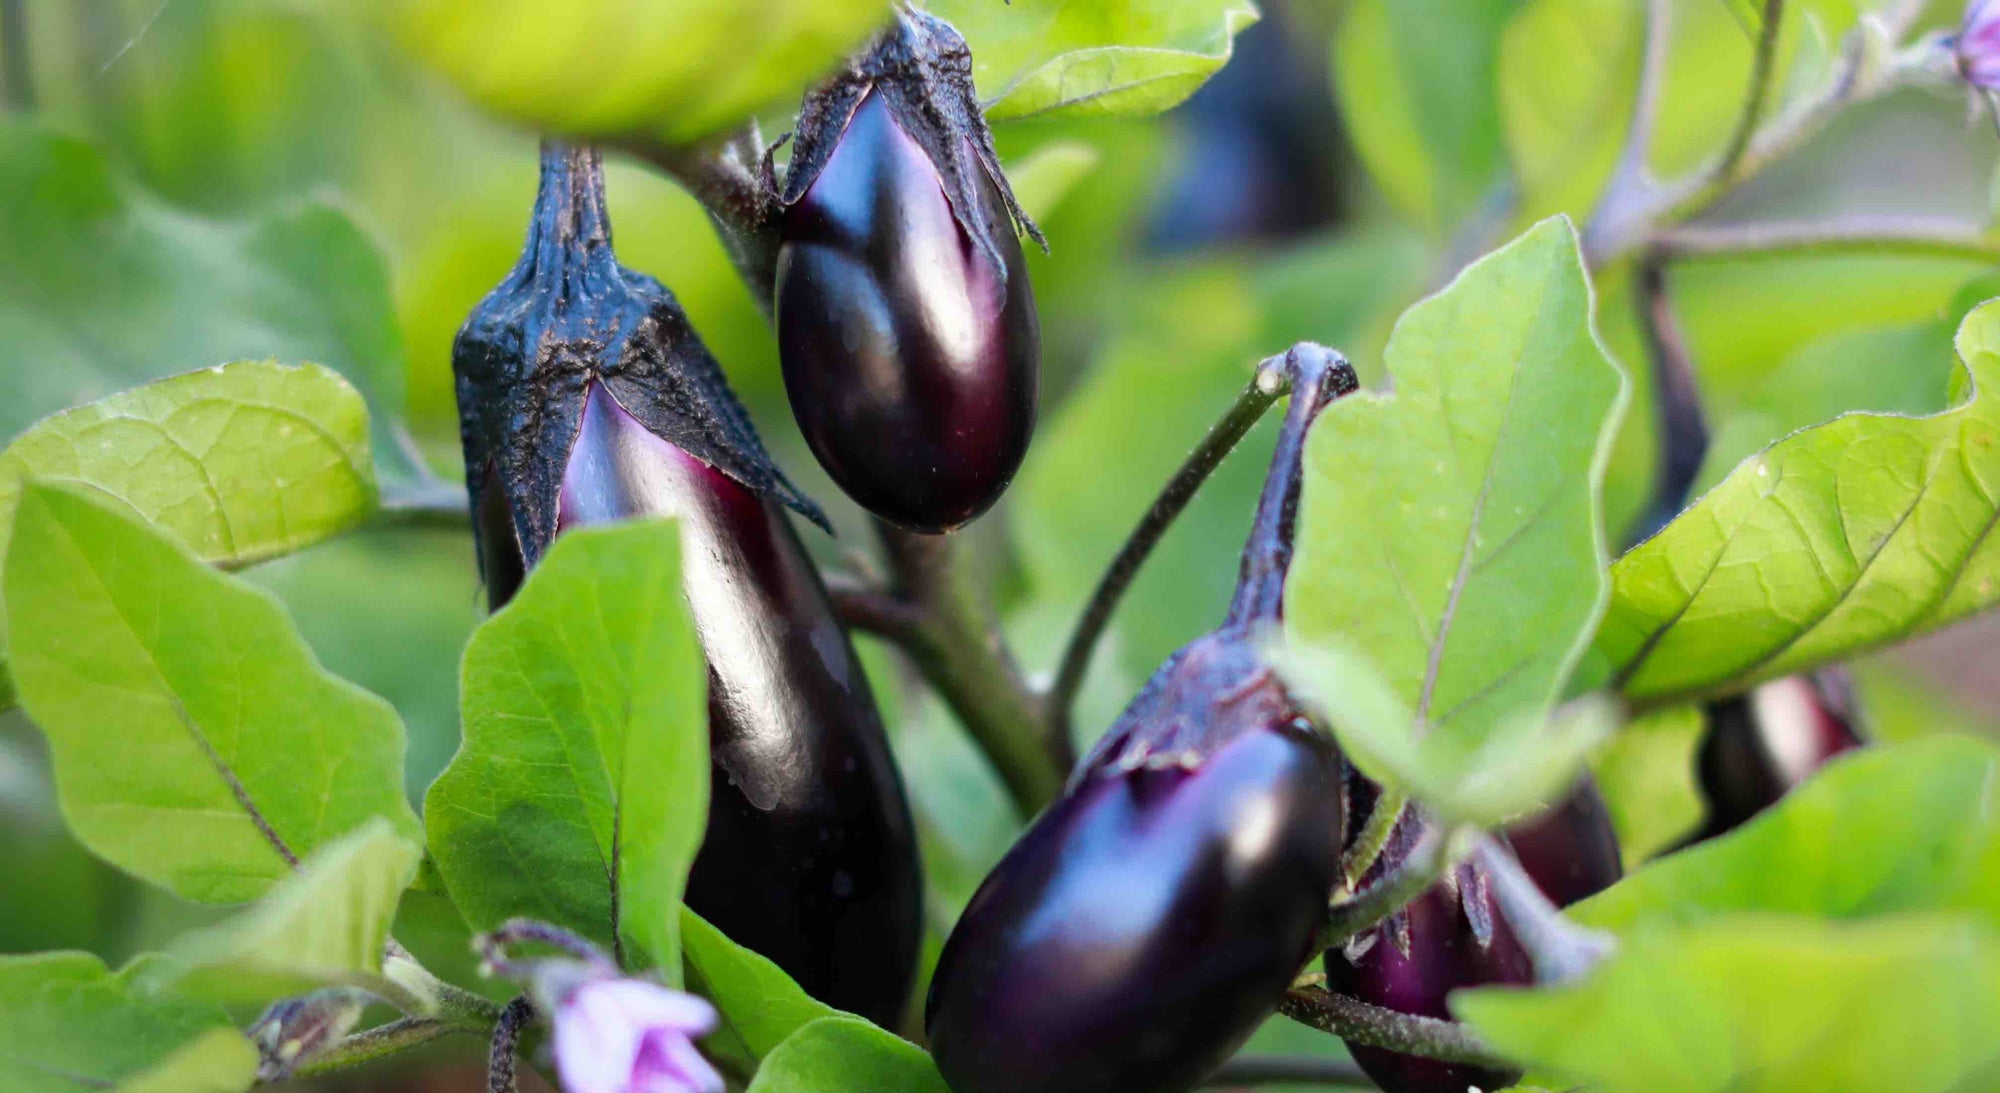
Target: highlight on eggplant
(1760, 745)
(906, 325)
(1453, 935)
(585, 396)
(1151, 918)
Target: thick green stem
(1357, 1022)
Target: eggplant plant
(405, 678)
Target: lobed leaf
(322, 927)
(1097, 58)
(675, 71)
(580, 792)
(244, 462)
(1837, 539)
(196, 742)
(69, 1024)
(847, 1053)
(1450, 530)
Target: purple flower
(1978, 45)
(615, 1035)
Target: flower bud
(587, 397)
(1151, 918)
(1977, 47)
(906, 325)
(291, 1032)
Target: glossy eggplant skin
(910, 352)
(1152, 917)
(811, 856)
(1762, 744)
(1454, 936)
(1145, 925)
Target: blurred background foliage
(204, 180)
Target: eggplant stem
(1235, 422)
(502, 1060)
(1358, 1022)
(1426, 864)
(381, 1042)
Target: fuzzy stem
(1916, 235)
(1753, 101)
(502, 1058)
(1426, 864)
(381, 1042)
(1357, 1022)
(1235, 423)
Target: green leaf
(1646, 772)
(675, 71)
(102, 287)
(1097, 58)
(219, 1061)
(580, 793)
(322, 927)
(759, 1003)
(1045, 176)
(1415, 80)
(843, 1053)
(1466, 771)
(196, 742)
(68, 1024)
(1451, 528)
(243, 462)
(1840, 538)
(1906, 827)
(1567, 72)
(1774, 1003)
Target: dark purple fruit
(1761, 744)
(1453, 935)
(1150, 919)
(906, 325)
(587, 398)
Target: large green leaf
(760, 1005)
(196, 742)
(1036, 58)
(243, 462)
(69, 1024)
(1840, 538)
(1415, 81)
(674, 71)
(842, 1053)
(1906, 827)
(1765, 1004)
(1449, 531)
(102, 287)
(221, 1060)
(581, 791)
(322, 927)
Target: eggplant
(906, 325)
(1151, 918)
(1454, 936)
(586, 397)
(1759, 745)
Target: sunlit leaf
(196, 742)
(1837, 539)
(1449, 529)
(1037, 58)
(581, 791)
(322, 927)
(1765, 1004)
(759, 1004)
(847, 1053)
(674, 71)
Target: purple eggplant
(1454, 936)
(586, 398)
(1151, 918)
(906, 324)
(1759, 745)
